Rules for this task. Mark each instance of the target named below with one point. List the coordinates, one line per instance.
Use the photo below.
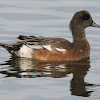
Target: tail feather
(11, 48)
(3, 45)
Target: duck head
(79, 22)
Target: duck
(56, 49)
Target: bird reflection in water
(27, 68)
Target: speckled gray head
(81, 20)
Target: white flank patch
(60, 49)
(25, 51)
(48, 47)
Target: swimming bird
(56, 49)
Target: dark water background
(23, 79)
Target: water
(23, 79)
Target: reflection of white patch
(25, 52)
(48, 47)
(60, 49)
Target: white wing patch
(48, 47)
(58, 49)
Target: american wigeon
(56, 49)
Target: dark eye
(86, 17)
